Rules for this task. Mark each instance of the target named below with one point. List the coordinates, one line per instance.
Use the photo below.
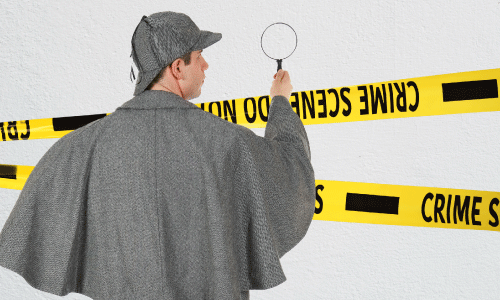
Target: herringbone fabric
(161, 200)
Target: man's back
(161, 200)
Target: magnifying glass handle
(279, 64)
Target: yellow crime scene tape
(374, 203)
(406, 205)
(466, 92)
(13, 176)
(44, 128)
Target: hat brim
(144, 79)
(207, 38)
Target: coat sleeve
(276, 188)
(292, 212)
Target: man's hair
(187, 60)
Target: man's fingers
(286, 75)
(277, 74)
(281, 74)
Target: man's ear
(177, 69)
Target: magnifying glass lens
(279, 41)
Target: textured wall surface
(66, 58)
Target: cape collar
(152, 99)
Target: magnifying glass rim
(265, 32)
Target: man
(161, 200)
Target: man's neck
(158, 87)
(169, 83)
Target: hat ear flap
(133, 53)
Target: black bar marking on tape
(470, 90)
(8, 171)
(372, 203)
(72, 123)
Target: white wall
(65, 58)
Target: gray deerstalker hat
(162, 38)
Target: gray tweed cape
(161, 200)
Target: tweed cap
(162, 38)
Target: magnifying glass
(278, 41)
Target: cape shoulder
(51, 205)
